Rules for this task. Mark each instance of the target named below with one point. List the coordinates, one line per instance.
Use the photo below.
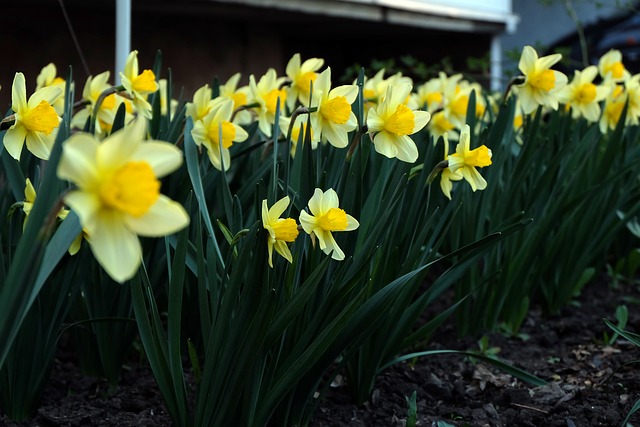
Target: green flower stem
(242, 108)
(298, 111)
(514, 81)
(356, 140)
(101, 98)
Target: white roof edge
(376, 10)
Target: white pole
(496, 63)
(123, 35)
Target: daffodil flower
(298, 131)
(138, 86)
(208, 130)
(118, 193)
(201, 104)
(613, 106)
(583, 96)
(333, 119)
(610, 67)
(241, 97)
(301, 76)
(466, 160)
(392, 122)
(541, 84)
(632, 86)
(430, 95)
(447, 175)
(439, 125)
(49, 77)
(36, 121)
(93, 88)
(325, 218)
(266, 92)
(27, 205)
(281, 230)
(167, 106)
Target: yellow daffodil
(466, 160)
(138, 86)
(325, 218)
(632, 87)
(29, 200)
(36, 120)
(266, 92)
(392, 122)
(118, 193)
(301, 75)
(541, 84)
(281, 230)
(298, 132)
(371, 90)
(201, 104)
(241, 96)
(582, 96)
(456, 96)
(167, 107)
(49, 77)
(447, 175)
(430, 95)
(207, 132)
(439, 126)
(333, 119)
(93, 88)
(610, 67)
(613, 106)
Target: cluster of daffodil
(365, 149)
(597, 94)
(116, 175)
(117, 195)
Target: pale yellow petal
(78, 162)
(14, 140)
(278, 209)
(375, 123)
(352, 223)
(385, 144)
(329, 200)
(87, 206)
(164, 217)
(308, 222)
(49, 94)
(282, 248)
(118, 148)
(163, 157)
(407, 149)
(40, 144)
(116, 248)
(18, 93)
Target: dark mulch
(590, 384)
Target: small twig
(530, 407)
(7, 122)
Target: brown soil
(591, 384)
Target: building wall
(201, 40)
(544, 24)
